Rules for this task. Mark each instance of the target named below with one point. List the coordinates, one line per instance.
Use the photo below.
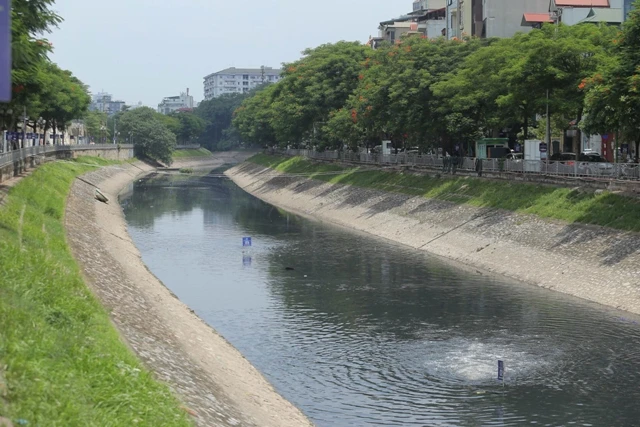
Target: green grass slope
(200, 152)
(62, 363)
(606, 209)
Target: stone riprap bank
(218, 386)
(590, 262)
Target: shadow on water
(362, 332)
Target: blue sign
(500, 370)
(246, 261)
(543, 147)
(5, 51)
(246, 241)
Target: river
(357, 331)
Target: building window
(245, 77)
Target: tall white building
(170, 104)
(238, 80)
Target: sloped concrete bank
(594, 263)
(218, 386)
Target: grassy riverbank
(565, 204)
(200, 152)
(62, 363)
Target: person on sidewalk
(478, 165)
(446, 162)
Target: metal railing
(14, 156)
(608, 171)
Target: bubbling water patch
(474, 361)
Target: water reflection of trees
(220, 200)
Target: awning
(530, 19)
(535, 19)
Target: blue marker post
(5, 50)
(501, 371)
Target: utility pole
(24, 127)
(548, 136)
(114, 130)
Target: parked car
(514, 156)
(563, 157)
(599, 165)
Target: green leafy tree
(613, 93)
(312, 88)
(217, 115)
(94, 122)
(151, 136)
(253, 119)
(190, 127)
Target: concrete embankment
(594, 263)
(218, 386)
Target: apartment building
(171, 104)
(105, 103)
(238, 80)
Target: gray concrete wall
(504, 17)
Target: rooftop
(535, 18)
(610, 16)
(581, 3)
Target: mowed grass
(62, 363)
(606, 209)
(200, 152)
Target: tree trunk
(577, 141)
(637, 151)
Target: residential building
(238, 80)
(104, 102)
(463, 16)
(392, 30)
(428, 19)
(503, 18)
(572, 12)
(182, 102)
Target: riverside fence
(14, 162)
(566, 169)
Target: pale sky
(144, 50)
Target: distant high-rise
(238, 80)
(104, 102)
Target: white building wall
(237, 81)
(435, 27)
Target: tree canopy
(613, 93)
(38, 85)
(149, 133)
(434, 93)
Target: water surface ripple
(362, 332)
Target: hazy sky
(143, 50)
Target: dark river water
(363, 332)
